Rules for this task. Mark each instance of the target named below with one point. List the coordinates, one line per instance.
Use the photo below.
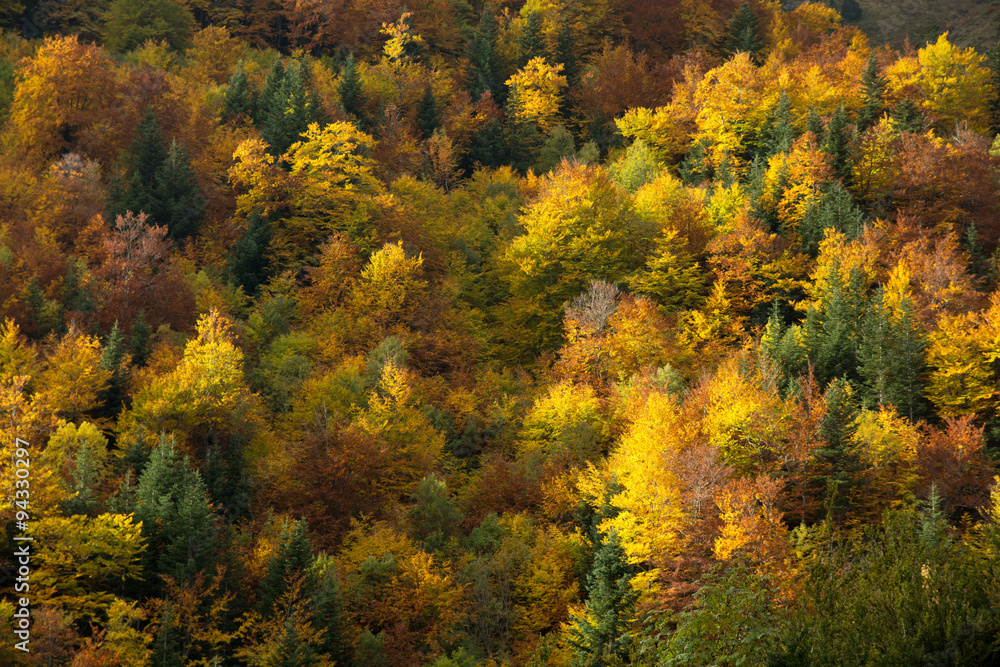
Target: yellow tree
(72, 380)
(205, 394)
(962, 356)
(83, 562)
(536, 92)
(62, 96)
(954, 84)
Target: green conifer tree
(293, 558)
(835, 209)
(742, 35)
(350, 87)
(836, 143)
(814, 124)
(891, 359)
(435, 515)
(485, 66)
(873, 95)
(240, 100)
(178, 199)
(781, 134)
(178, 520)
(247, 262)
(603, 633)
(531, 44)
(906, 117)
(428, 116)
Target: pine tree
(139, 339)
(814, 124)
(891, 358)
(270, 94)
(350, 87)
(293, 558)
(531, 43)
(247, 261)
(836, 143)
(113, 359)
(428, 117)
(742, 35)
(180, 204)
(873, 94)
(831, 330)
(485, 66)
(781, 134)
(177, 518)
(906, 117)
(836, 462)
(328, 614)
(286, 106)
(835, 209)
(143, 162)
(603, 634)
(240, 100)
(565, 54)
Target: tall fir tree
(837, 144)
(873, 95)
(814, 124)
(565, 53)
(178, 520)
(906, 117)
(287, 107)
(350, 87)
(240, 100)
(293, 558)
(742, 35)
(247, 261)
(835, 209)
(832, 329)
(180, 204)
(532, 43)
(485, 66)
(159, 182)
(836, 463)
(891, 359)
(602, 635)
(780, 135)
(428, 116)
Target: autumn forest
(496, 332)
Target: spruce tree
(565, 54)
(531, 43)
(742, 35)
(112, 359)
(350, 87)
(906, 117)
(286, 106)
(247, 261)
(837, 463)
(428, 117)
(140, 339)
(143, 163)
(835, 209)
(179, 202)
(293, 558)
(836, 143)
(891, 358)
(814, 124)
(270, 94)
(873, 95)
(240, 100)
(489, 147)
(602, 634)
(781, 134)
(993, 59)
(177, 518)
(328, 610)
(831, 330)
(485, 65)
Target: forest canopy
(498, 332)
